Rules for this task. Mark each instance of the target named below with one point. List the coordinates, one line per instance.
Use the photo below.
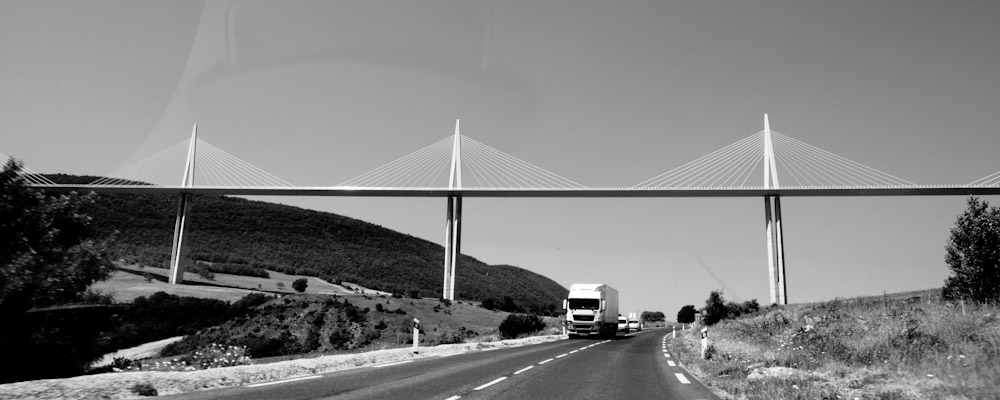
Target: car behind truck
(591, 310)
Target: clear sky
(604, 93)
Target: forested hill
(261, 235)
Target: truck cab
(591, 309)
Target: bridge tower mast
(775, 242)
(453, 226)
(180, 225)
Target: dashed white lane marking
(562, 355)
(524, 369)
(454, 398)
(667, 355)
(543, 362)
(671, 363)
(574, 351)
(301, 378)
(390, 364)
(490, 383)
(681, 378)
(584, 347)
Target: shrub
(121, 363)
(449, 336)
(300, 285)
(516, 325)
(205, 273)
(144, 389)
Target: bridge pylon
(453, 226)
(178, 249)
(775, 241)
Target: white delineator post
(673, 331)
(775, 242)
(416, 334)
(453, 226)
(704, 342)
(180, 225)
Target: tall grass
(875, 347)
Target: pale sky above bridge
(603, 93)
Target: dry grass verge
(119, 385)
(866, 348)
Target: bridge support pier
(178, 252)
(453, 228)
(775, 251)
(452, 245)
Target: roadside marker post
(704, 342)
(673, 331)
(416, 334)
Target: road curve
(634, 366)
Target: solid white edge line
(491, 383)
(524, 369)
(301, 378)
(671, 363)
(543, 362)
(681, 378)
(391, 364)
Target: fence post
(704, 342)
(416, 334)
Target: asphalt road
(629, 367)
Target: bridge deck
(539, 192)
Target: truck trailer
(591, 309)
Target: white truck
(591, 309)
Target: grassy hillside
(298, 324)
(912, 346)
(263, 236)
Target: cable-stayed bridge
(750, 167)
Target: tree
(973, 254)
(653, 316)
(300, 285)
(686, 314)
(715, 308)
(48, 258)
(48, 252)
